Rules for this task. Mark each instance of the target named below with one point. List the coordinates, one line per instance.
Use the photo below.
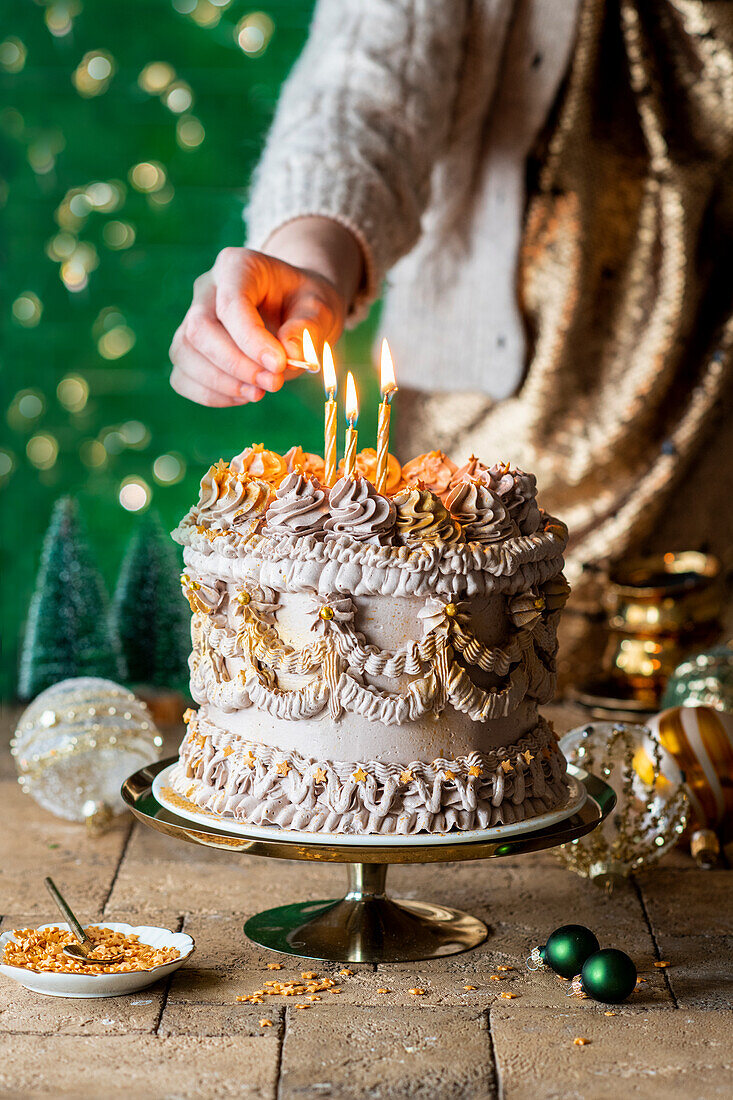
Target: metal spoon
(83, 951)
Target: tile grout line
(115, 876)
(657, 952)
(492, 1050)
(168, 983)
(280, 1053)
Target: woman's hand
(249, 311)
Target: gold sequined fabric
(625, 284)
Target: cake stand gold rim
(137, 794)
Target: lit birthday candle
(309, 361)
(388, 389)
(352, 415)
(329, 384)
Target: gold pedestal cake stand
(366, 925)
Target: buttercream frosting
(310, 464)
(259, 462)
(300, 507)
(480, 512)
(518, 490)
(434, 469)
(359, 511)
(366, 465)
(422, 517)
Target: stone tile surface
(424, 1054)
(190, 1037)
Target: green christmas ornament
(566, 950)
(608, 976)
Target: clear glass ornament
(652, 808)
(76, 744)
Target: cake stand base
(366, 925)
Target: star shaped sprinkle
(448, 774)
(506, 766)
(228, 750)
(359, 775)
(219, 471)
(283, 767)
(250, 759)
(406, 776)
(527, 756)
(320, 775)
(188, 715)
(474, 770)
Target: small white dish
(577, 795)
(102, 985)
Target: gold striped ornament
(700, 741)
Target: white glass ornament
(77, 742)
(652, 807)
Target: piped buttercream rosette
(518, 491)
(309, 464)
(480, 512)
(359, 511)
(434, 469)
(258, 462)
(422, 517)
(300, 507)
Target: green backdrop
(129, 132)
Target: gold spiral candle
(352, 415)
(388, 388)
(331, 416)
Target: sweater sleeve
(360, 122)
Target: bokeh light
(189, 132)
(74, 275)
(7, 465)
(105, 195)
(135, 434)
(156, 76)
(205, 13)
(73, 392)
(60, 16)
(112, 441)
(162, 197)
(27, 309)
(179, 98)
(148, 176)
(93, 453)
(116, 342)
(42, 450)
(253, 33)
(118, 235)
(135, 494)
(169, 469)
(94, 73)
(12, 55)
(25, 409)
(61, 247)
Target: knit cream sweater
(393, 123)
(410, 122)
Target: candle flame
(329, 370)
(388, 384)
(352, 401)
(309, 351)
